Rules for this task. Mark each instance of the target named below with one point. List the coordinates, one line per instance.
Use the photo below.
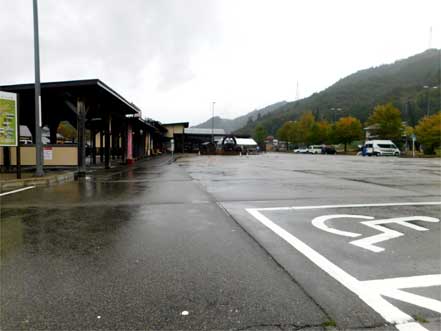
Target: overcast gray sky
(172, 58)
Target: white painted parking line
(371, 295)
(16, 191)
(412, 326)
(407, 282)
(427, 203)
(392, 288)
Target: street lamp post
(333, 112)
(38, 143)
(212, 122)
(428, 96)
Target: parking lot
(360, 235)
(263, 242)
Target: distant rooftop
(246, 141)
(201, 131)
(185, 124)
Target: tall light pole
(38, 143)
(212, 122)
(428, 97)
(333, 112)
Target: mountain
(230, 125)
(401, 83)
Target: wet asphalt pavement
(137, 249)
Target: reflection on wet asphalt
(131, 251)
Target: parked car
(302, 150)
(315, 149)
(328, 150)
(380, 148)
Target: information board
(8, 119)
(48, 153)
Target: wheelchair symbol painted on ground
(369, 243)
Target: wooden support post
(183, 140)
(81, 130)
(124, 142)
(17, 150)
(6, 158)
(53, 127)
(93, 136)
(107, 142)
(101, 146)
(129, 144)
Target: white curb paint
(372, 298)
(16, 191)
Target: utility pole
(297, 92)
(333, 113)
(428, 97)
(38, 143)
(430, 38)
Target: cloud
(174, 57)
(115, 39)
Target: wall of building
(174, 129)
(65, 155)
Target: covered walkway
(109, 128)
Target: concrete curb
(36, 181)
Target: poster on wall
(48, 153)
(8, 119)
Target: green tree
(388, 120)
(304, 127)
(284, 132)
(319, 133)
(67, 130)
(428, 132)
(347, 129)
(260, 134)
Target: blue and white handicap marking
(374, 246)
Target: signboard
(48, 153)
(8, 119)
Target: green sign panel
(8, 119)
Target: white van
(380, 148)
(315, 149)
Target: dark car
(328, 150)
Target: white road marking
(412, 326)
(319, 222)
(414, 299)
(16, 191)
(368, 243)
(353, 205)
(389, 312)
(372, 298)
(406, 282)
(392, 288)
